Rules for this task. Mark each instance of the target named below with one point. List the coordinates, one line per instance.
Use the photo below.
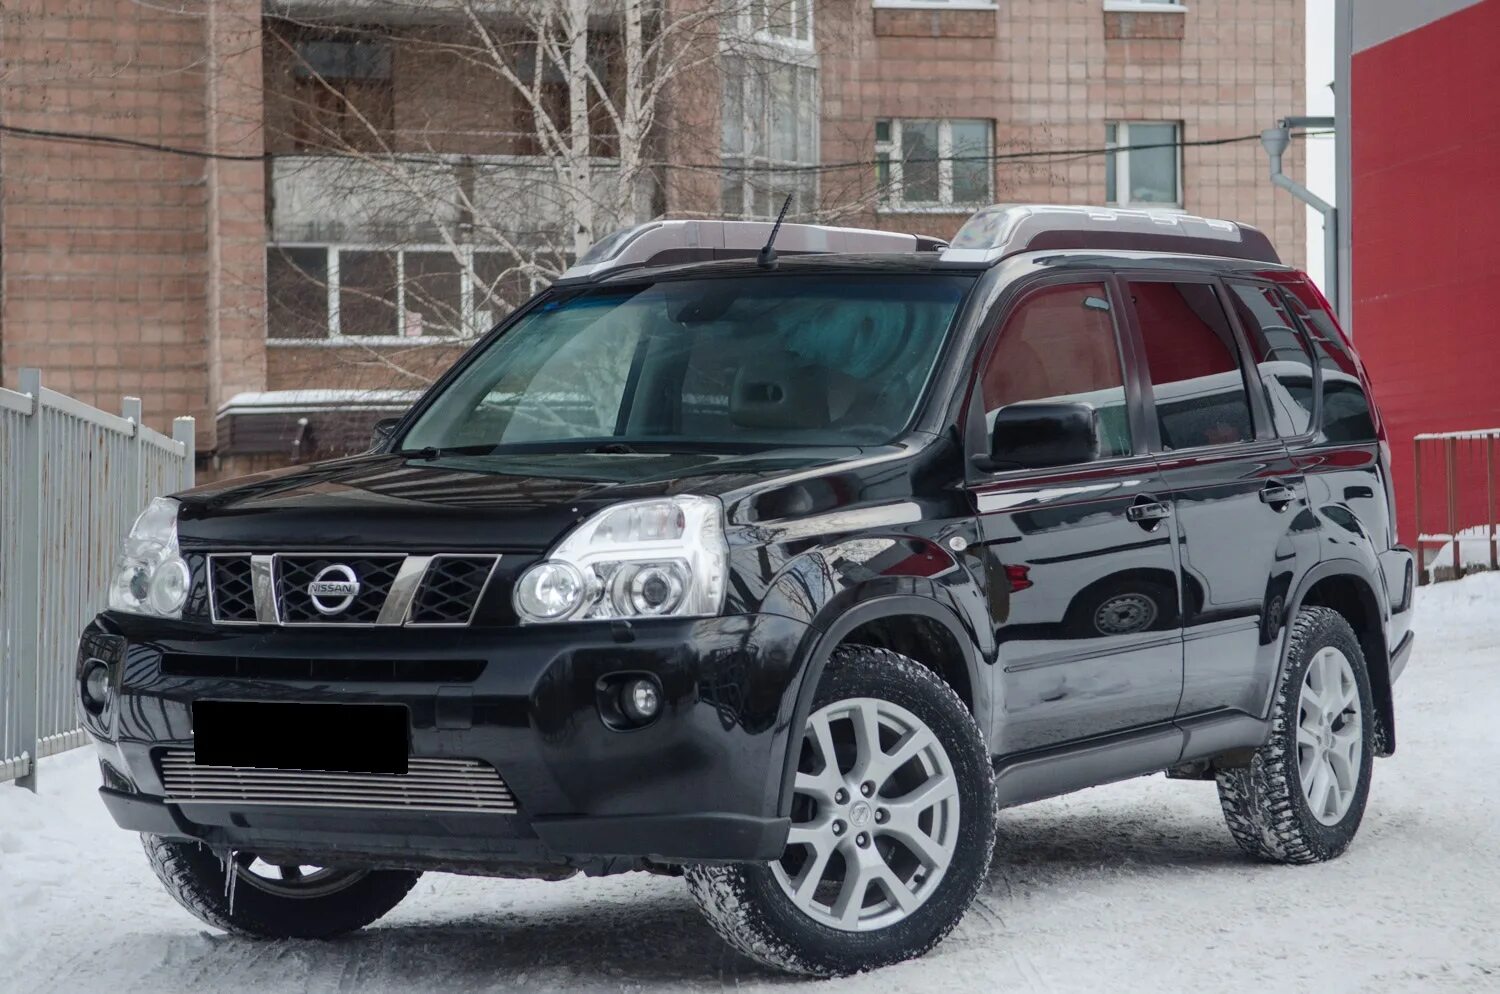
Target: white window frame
(891, 199)
(468, 312)
(935, 4)
(756, 24)
(806, 67)
(1144, 7)
(1122, 166)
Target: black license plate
(350, 738)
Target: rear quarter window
(1347, 413)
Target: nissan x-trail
(780, 571)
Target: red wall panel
(1425, 144)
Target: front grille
(233, 590)
(323, 670)
(393, 588)
(450, 590)
(458, 785)
(375, 575)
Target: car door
(1078, 559)
(1234, 490)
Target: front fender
(846, 613)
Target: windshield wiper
(614, 449)
(431, 452)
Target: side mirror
(1028, 436)
(381, 432)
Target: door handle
(1148, 513)
(1278, 496)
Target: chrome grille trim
(397, 604)
(431, 784)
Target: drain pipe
(1276, 140)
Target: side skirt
(1032, 776)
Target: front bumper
(702, 782)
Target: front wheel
(254, 898)
(1303, 795)
(892, 827)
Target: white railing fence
(72, 479)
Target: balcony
(324, 199)
(386, 11)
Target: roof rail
(666, 242)
(1004, 230)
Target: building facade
(1419, 139)
(284, 217)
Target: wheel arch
(919, 627)
(1343, 586)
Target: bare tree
(544, 124)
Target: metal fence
(72, 480)
(1455, 502)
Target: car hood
(519, 502)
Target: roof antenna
(767, 257)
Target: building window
(770, 136)
(932, 165)
(1144, 165)
(782, 21)
(343, 97)
(332, 293)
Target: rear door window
(1197, 385)
(1281, 354)
(1059, 345)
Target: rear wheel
(892, 827)
(274, 901)
(1303, 795)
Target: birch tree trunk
(580, 168)
(635, 185)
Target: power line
(117, 141)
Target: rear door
(1079, 560)
(1234, 490)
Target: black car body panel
(997, 578)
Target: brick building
(293, 286)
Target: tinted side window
(1058, 344)
(1281, 356)
(1198, 387)
(1346, 409)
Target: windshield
(743, 363)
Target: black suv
(781, 574)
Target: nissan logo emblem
(333, 589)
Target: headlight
(647, 558)
(150, 576)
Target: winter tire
(274, 902)
(892, 827)
(1302, 797)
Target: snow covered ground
(1132, 887)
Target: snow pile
(1132, 887)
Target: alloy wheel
(1330, 736)
(875, 816)
(293, 880)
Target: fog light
(95, 685)
(640, 700)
